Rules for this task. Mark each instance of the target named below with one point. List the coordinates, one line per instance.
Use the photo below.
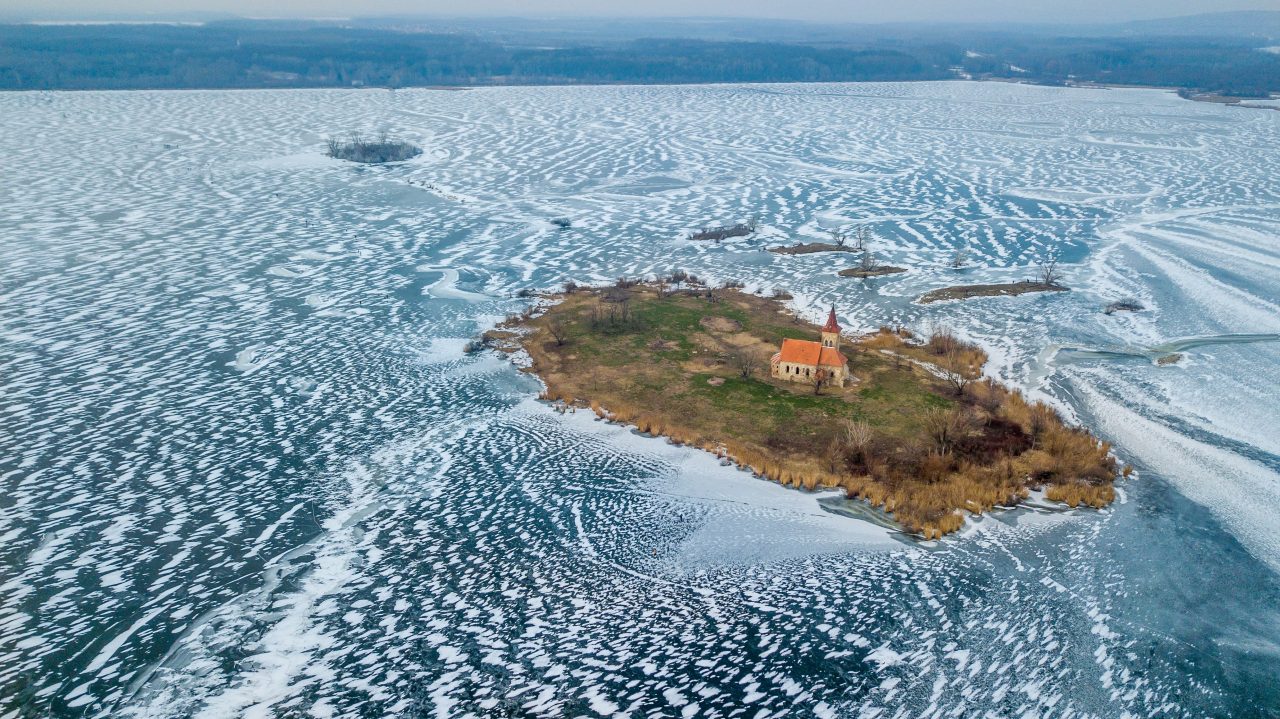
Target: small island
(809, 248)
(905, 423)
(839, 243)
(873, 271)
(869, 266)
(1048, 279)
(716, 234)
(964, 292)
(1126, 305)
(379, 150)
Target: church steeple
(831, 331)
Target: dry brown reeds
(1080, 493)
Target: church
(806, 360)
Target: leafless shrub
(948, 426)
(955, 371)
(942, 341)
(746, 362)
(857, 439)
(868, 261)
(558, 330)
(989, 396)
(1040, 419)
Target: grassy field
(925, 444)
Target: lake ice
(246, 469)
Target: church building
(805, 360)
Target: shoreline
(1199, 97)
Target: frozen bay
(246, 469)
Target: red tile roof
(810, 353)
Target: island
(906, 423)
(962, 292)
(379, 150)
(873, 271)
(809, 248)
(861, 237)
(1126, 305)
(716, 234)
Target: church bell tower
(831, 331)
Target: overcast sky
(832, 10)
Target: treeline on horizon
(278, 55)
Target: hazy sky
(834, 10)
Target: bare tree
(960, 258)
(678, 277)
(838, 237)
(559, 332)
(869, 261)
(863, 236)
(1049, 273)
(746, 362)
(954, 371)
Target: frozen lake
(246, 469)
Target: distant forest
(259, 54)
